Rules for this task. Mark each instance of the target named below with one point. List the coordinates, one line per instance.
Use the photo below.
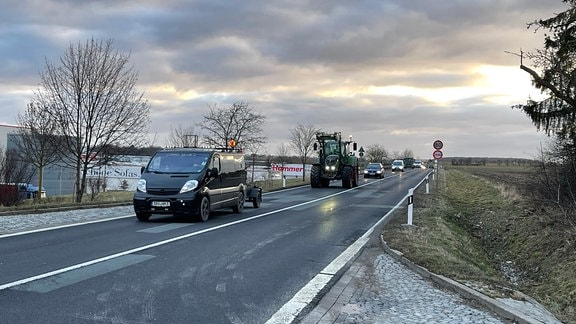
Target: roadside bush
(554, 181)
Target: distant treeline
(485, 161)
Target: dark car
(375, 170)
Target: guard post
(410, 205)
(427, 185)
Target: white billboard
(291, 170)
(116, 176)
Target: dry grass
(477, 226)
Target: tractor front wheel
(347, 177)
(315, 177)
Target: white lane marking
(163, 228)
(65, 279)
(149, 246)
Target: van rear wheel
(239, 203)
(256, 201)
(204, 210)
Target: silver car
(398, 165)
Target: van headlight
(189, 185)
(141, 185)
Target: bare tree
(253, 151)
(91, 96)
(182, 136)
(282, 152)
(238, 122)
(14, 170)
(302, 139)
(407, 153)
(376, 153)
(35, 145)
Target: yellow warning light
(232, 143)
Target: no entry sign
(437, 155)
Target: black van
(191, 182)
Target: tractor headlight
(189, 185)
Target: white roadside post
(427, 185)
(284, 182)
(410, 205)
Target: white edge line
(288, 312)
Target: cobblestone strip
(28, 222)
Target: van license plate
(161, 204)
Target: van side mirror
(315, 146)
(213, 172)
(142, 168)
(355, 146)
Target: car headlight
(141, 185)
(189, 185)
(365, 171)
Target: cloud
(393, 72)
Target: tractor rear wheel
(355, 177)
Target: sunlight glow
(506, 85)
(169, 92)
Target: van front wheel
(239, 203)
(143, 217)
(204, 210)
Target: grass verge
(475, 227)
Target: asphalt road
(232, 269)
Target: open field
(478, 226)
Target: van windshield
(178, 162)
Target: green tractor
(336, 161)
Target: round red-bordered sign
(437, 155)
(438, 144)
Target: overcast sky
(397, 73)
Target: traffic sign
(437, 155)
(438, 144)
